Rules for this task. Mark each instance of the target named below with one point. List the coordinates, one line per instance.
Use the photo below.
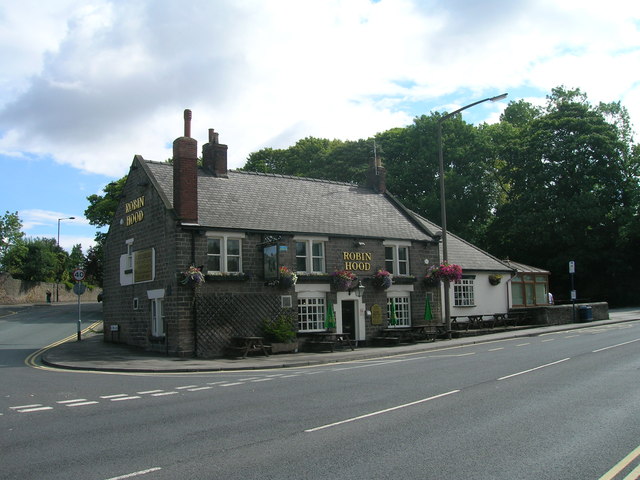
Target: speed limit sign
(78, 275)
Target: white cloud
(34, 217)
(108, 79)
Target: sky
(87, 84)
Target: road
(557, 406)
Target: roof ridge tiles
(294, 177)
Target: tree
(100, 212)
(77, 258)
(95, 265)
(37, 260)
(10, 234)
(570, 182)
(101, 209)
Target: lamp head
(499, 97)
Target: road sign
(78, 275)
(79, 288)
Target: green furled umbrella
(428, 316)
(330, 318)
(393, 319)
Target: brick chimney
(185, 174)
(214, 155)
(377, 176)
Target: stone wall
(563, 314)
(14, 291)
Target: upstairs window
(224, 253)
(396, 257)
(310, 255)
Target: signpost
(572, 271)
(79, 288)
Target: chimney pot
(187, 123)
(214, 155)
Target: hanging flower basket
(193, 277)
(445, 271)
(494, 279)
(431, 281)
(382, 279)
(287, 278)
(344, 280)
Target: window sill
(403, 279)
(314, 277)
(227, 277)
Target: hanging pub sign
(271, 250)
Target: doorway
(348, 311)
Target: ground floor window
(529, 289)
(311, 312)
(399, 311)
(463, 294)
(157, 317)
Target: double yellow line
(622, 464)
(30, 361)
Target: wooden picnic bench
(395, 336)
(328, 340)
(427, 332)
(242, 346)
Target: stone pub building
(240, 228)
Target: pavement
(92, 353)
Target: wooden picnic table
(396, 335)
(427, 332)
(329, 340)
(242, 346)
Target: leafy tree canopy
(10, 233)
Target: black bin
(585, 313)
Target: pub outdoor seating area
(478, 324)
(329, 341)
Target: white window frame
(310, 257)
(224, 237)
(396, 262)
(157, 312)
(308, 319)
(129, 255)
(403, 308)
(464, 292)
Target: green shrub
(281, 329)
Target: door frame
(360, 333)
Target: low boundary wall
(563, 314)
(14, 291)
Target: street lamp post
(443, 208)
(57, 280)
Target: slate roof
(468, 256)
(522, 268)
(275, 203)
